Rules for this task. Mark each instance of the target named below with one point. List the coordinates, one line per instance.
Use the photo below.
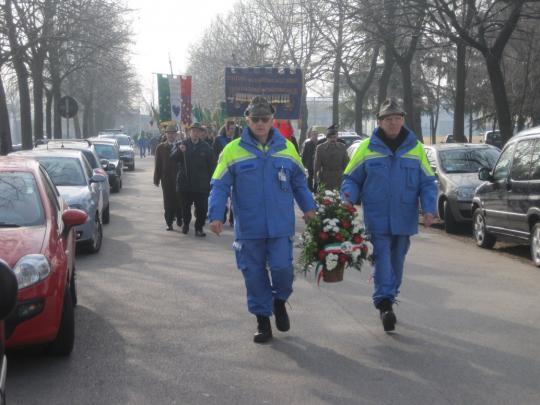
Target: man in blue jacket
(265, 175)
(388, 174)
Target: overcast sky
(169, 26)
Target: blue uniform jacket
(264, 181)
(389, 185)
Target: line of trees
(475, 58)
(50, 48)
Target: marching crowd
(253, 175)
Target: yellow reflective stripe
(290, 153)
(231, 154)
(419, 154)
(362, 154)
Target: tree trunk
(389, 63)
(5, 130)
(304, 115)
(459, 102)
(335, 94)
(77, 127)
(37, 79)
(22, 78)
(48, 113)
(498, 88)
(56, 90)
(358, 113)
(408, 103)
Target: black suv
(507, 204)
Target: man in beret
(265, 175)
(165, 174)
(330, 160)
(388, 174)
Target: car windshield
(91, 158)
(64, 171)
(20, 202)
(122, 140)
(467, 160)
(106, 151)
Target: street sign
(68, 107)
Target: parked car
(8, 298)
(127, 153)
(493, 138)
(38, 242)
(108, 151)
(90, 153)
(346, 138)
(451, 139)
(79, 186)
(456, 166)
(507, 204)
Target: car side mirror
(104, 163)
(73, 217)
(97, 178)
(8, 290)
(484, 174)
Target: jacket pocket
(411, 170)
(377, 181)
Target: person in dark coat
(165, 171)
(308, 158)
(196, 164)
(330, 160)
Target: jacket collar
(376, 144)
(274, 144)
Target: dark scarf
(393, 144)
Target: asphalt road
(162, 319)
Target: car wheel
(132, 167)
(481, 236)
(95, 244)
(62, 345)
(450, 223)
(116, 187)
(535, 244)
(73, 288)
(106, 215)
(120, 183)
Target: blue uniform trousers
(267, 267)
(389, 252)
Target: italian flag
(174, 93)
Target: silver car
(456, 166)
(89, 151)
(127, 153)
(79, 186)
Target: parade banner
(281, 86)
(174, 94)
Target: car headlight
(31, 269)
(465, 193)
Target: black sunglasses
(257, 119)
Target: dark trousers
(201, 208)
(311, 181)
(172, 203)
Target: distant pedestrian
(330, 160)
(196, 163)
(308, 158)
(165, 171)
(142, 145)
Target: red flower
(364, 248)
(358, 239)
(322, 255)
(346, 224)
(323, 235)
(351, 209)
(339, 237)
(343, 259)
(327, 201)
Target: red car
(38, 243)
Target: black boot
(280, 312)
(388, 317)
(264, 330)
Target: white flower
(356, 254)
(331, 261)
(370, 248)
(321, 210)
(329, 193)
(336, 229)
(346, 247)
